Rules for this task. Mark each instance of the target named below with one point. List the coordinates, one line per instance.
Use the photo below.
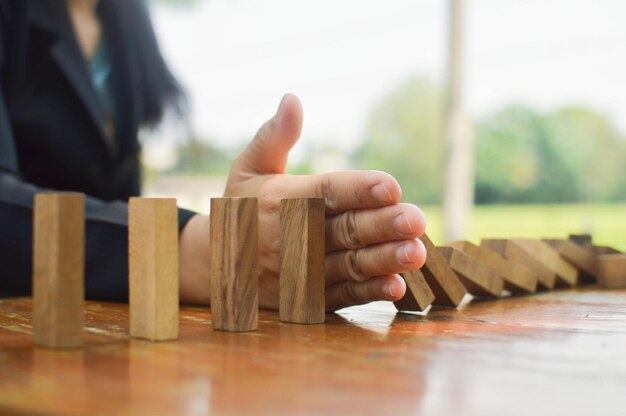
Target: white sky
(238, 57)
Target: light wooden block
(418, 295)
(612, 270)
(153, 268)
(302, 256)
(517, 278)
(234, 264)
(478, 279)
(566, 273)
(578, 256)
(448, 289)
(58, 269)
(516, 254)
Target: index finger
(347, 190)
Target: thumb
(268, 151)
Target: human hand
(370, 236)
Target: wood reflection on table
(561, 352)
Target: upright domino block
(513, 252)
(583, 240)
(477, 278)
(153, 268)
(58, 269)
(566, 273)
(517, 278)
(448, 289)
(233, 264)
(418, 295)
(612, 270)
(302, 269)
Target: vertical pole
(458, 192)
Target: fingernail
(402, 224)
(407, 253)
(381, 193)
(388, 290)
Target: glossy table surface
(557, 353)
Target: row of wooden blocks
(58, 266)
(516, 266)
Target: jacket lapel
(52, 16)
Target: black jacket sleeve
(106, 251)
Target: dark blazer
(52, 136)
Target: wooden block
(58, 269)
(477, 278)
(600, 250)
(576, 255)
(566, 273)
(153, 268)
(517, 278)
(581, 239)
(234, 264)
(612, 270)
(516, 254)
(448, 289)
(418, 295)
(302, 256)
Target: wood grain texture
(478, 278)
(366, 360)
(234, 264)
(153, 268)
(448, 289)
(302, 257)
(516, 254)
(517, 278)
(611, 269)
(58, 269)
(418, 295)
(566, 274)
(578, 256)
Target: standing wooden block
(517, 278)
(576, 255)
(302, 256)
(234, 264)
(448, 289)
(581, 239)
(153, 268)
(566, 273)
(418, 295)
(513, 252)
(477, 278)
(612, 270)
(58, 269)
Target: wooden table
(557, 353)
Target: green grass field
(606, 223)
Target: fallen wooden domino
(233, 260)
(58, 269)
(448, 289)
(517, 278)
(418, 295)
(302, 256)
(513, 252)
(576, 255)
(153, 268)
(478, 279)
(600, 250)
(611, 270)
(566, 274)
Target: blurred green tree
(198, 157)
(403, 137)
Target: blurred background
(516, 108)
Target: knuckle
(353, 266)
(349, 294)
(347, 233)
(326, 190)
